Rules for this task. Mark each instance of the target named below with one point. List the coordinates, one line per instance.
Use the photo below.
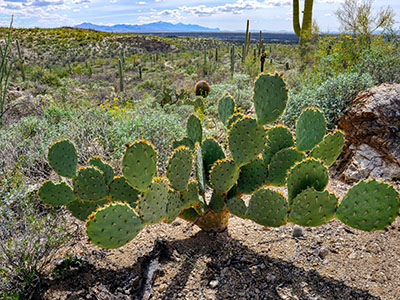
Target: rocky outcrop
(372, 130)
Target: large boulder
(372, 130)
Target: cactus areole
(117, 208)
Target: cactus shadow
(241, 273)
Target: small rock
(213, 284)
(323, 252)
(270, 278)
(297, 231)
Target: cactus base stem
(210, 221)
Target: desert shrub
(241, 88)
(333, 96)
(382, 62)
(30, 235)
(96, 131)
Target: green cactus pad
(226, 107)
(139, 165)
(211, 151)
(217, 202)
(107, 170)
(121, 191)
(278, 137)
(369, 205)
(330, 148)
(81, 209)
(224, 174)
(200, 171)
(308, 173)
(152, 205)
(194, 129)
(270, 96)
(313, 208)
(179, 168)
(310, 129)
(55, 194)
(280, 165)
(190, 215)
(246, 140)
(190, 197)
(252, 176)
(113, 225)
(268, 208)
(237, 207)
(174, 206)
(63, 158)
(90, 184)
(233, 119)
(233, 192)
(185, 141)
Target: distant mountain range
(151, 27)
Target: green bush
(382, 64)
(29, 235)
(94, 131)
(333, 97)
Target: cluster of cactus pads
(204, 184)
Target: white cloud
(236, 8)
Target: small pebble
(297, 231)
(213, 284)
(323, 252)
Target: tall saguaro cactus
(304, 32)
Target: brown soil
(246, 261)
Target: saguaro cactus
(121, 75)
(261, 155)
(304, 32)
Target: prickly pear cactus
(205, 181)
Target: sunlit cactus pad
(179, 168)
(280, 164)
(90, 184)
(313, 208)
(121, 191)
(108, 171)
(153, 204)
(369, 205)
(278, 137)
(113, 225)
(194, 129)
(224, 174)
(310, 129)
(308, 173)
(330, 148)
(81, 209)
(246, 140)
(63, 158)
(139, 165)
(226, 107)
(56, 194)
(270, 97)
(252, 176)
(268, 208)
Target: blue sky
(272, 15)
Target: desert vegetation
(99, 93)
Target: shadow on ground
(241, 274)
